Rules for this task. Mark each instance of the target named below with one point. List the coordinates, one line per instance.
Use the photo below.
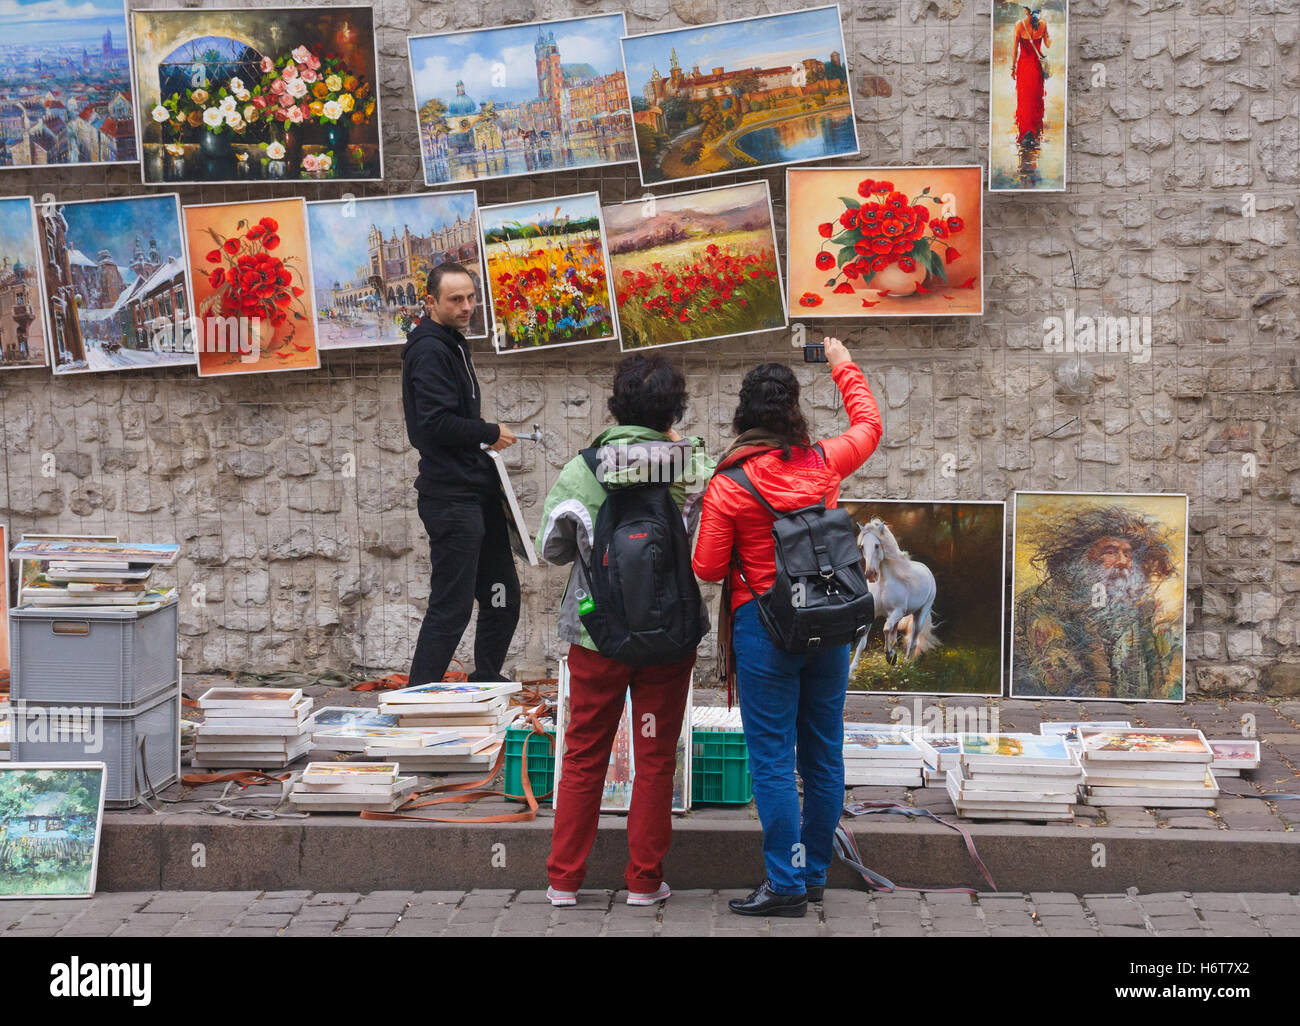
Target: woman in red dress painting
(1027, 72)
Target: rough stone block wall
(291, 493)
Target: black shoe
(766, 902)
(816, 893)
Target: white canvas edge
(1065, 110)
(40, 280)
(512, 503)
(848, 78)
(623, 810)
(776, 249)
(609, 277)
(688, 733)
(1187, 530)
(561, 703)
(473, 193)
(815, 316)
(136, 95)
(99, 822)
(410, 66)
(311, 289)
(1002, 629)
(5, 601)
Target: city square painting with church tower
(22, 310)
(521, 99)
(371, 258)
(740, 95)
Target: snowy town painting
(22, 315)
(116, 284)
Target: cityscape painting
(372, 258)
(116, 284)
(65, 84)
(520, 99)
(740, 95)
(22, 310)
(257, 94)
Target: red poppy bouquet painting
(885, 242)
(253, 304)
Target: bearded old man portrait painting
(1099, 596)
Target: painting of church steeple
(479, 118)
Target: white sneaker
(561, 898)
(664, 892)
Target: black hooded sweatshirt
(440, 394)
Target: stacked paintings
(1230, 757)
(377, 742)
(258, 727)
(470, 718)
(1014, 776)
(942, 753)
(1148, 768)
(879, 754)
(350, 787)
(88, 573)
(6, 730)
(1069, 730)
(329, 717)
(716, 717)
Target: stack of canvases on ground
(1161, 768)
(258, 727)
(350, 787)
(880, 754)
(1014, 776)
(474, 717)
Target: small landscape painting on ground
(50, 818)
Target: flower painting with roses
(885, 242)
(253, 299)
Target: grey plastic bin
(113, 657)
(156, 720)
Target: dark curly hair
(649, 390)
(769, 399)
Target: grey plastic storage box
(157, 721)
(114, 657)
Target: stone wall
(290, 493)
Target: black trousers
(469, 547)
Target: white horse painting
(903, 590)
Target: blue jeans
(792, 703)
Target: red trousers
(597, 691)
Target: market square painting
(22, 307)
(1028, 96)
(116, 284)
(548, 273)
(740, 95)
(50, 817)
(936, 571)
(253, 300)
(1098, 592)
(257, 94)
(372, 257)
(695, 266)
(65, 84)
(885, 242)
(521, 99)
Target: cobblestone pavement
(498, 913)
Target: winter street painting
(116, 284)
(885, 242)
(22, 308)
(1027, 108)
(65, 84)
(1099, 591)
(521, 99)
(936, 572)
(50, 817)
(548, 276)
(371, 259)
(252, 286)
(695, 266)
(740, 95)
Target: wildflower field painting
(548, 273)
(695, 266)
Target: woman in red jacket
(789, 703)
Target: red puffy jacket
(732, 518)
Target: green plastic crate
(541, 763)
(720, 768)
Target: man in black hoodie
(459, 493)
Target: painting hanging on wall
(65, 85)
(1099, 591)
(1028, 96)
(548, 273)
(740, 95)
(23, 333)
(116, 284)
(257, 94)
(521, 99)
(885, 242)
(695, 266)
(50, 819)
(253, 303)
(936, 572)
(372, 259)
